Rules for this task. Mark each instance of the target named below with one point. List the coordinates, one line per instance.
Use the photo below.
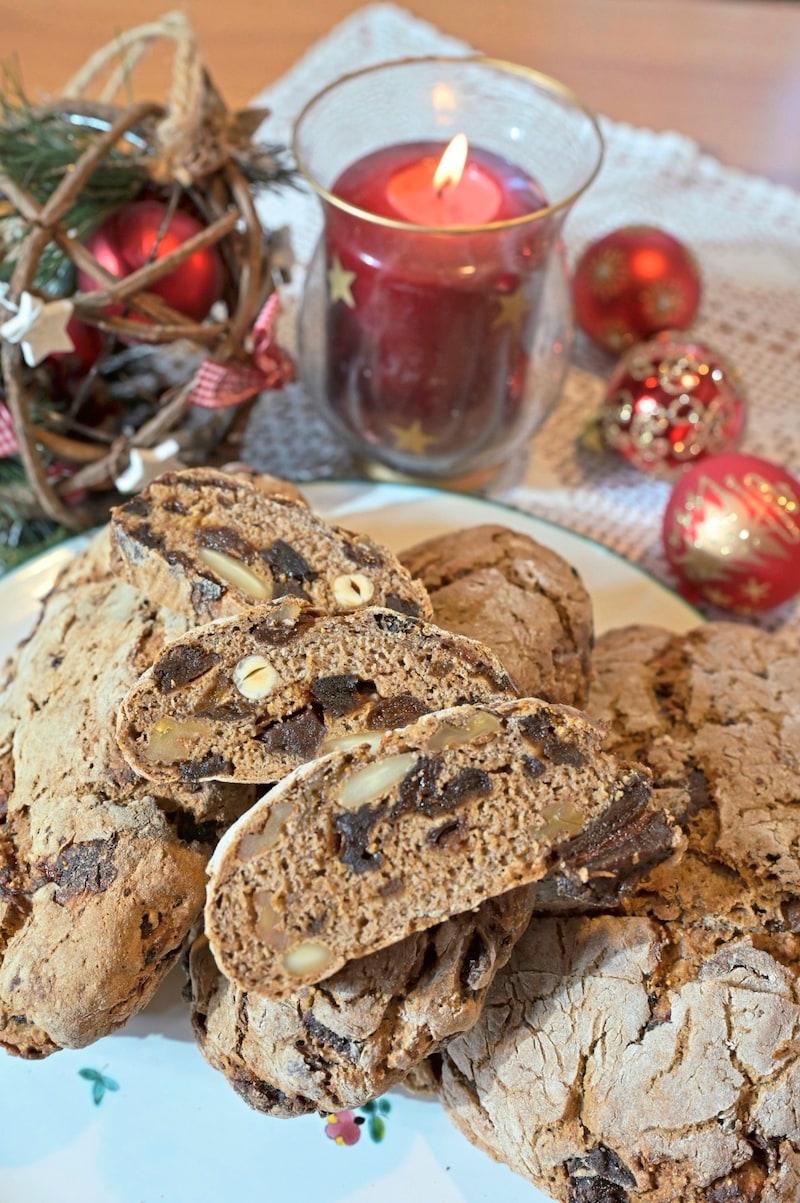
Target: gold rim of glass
(545, 82)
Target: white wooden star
(146, 463)
(40, 327)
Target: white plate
(166, 1127)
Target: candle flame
(452, 163)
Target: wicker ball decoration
(192, 152)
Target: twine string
(185, 135)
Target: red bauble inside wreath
(732, 533)
(133, 236)
(632, 283)
(671, 403)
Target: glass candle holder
(436, 324)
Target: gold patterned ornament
(670, 403)
(731, 533)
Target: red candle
(428, 329)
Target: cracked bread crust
(650, 1054)
(361, 848)
(207, 544)
(351, 1038)
(101, 876)
(521, 599)
(380, 1019)
(249, 698)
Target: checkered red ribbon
(218, 385)
(8, 439)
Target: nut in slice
(309, 956)
(170, 739)
(233, 572)
(352, 590)
(255, 678)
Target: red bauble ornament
(732, 533)
(632, 283)
(671, 403)
(125, 242)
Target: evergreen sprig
(23, 532)
(37, 148)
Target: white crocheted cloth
(743, 230)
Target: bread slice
(251, 697)
(355, 1035)
(207, 543)
(359, 849)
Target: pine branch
(270, 167)
(35, 152)
(23, 531)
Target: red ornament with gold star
(671, 403)
(732, 533)
(139, 233)
(632, 283)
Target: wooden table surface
(726, 72)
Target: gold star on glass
(340, 283)
(513, 310)
(411, 438)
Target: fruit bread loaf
(249, 698)
(359, 849)
(521, 599)
(207, 543)
(101, 875)
(359, 1033)
(649, 1054)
